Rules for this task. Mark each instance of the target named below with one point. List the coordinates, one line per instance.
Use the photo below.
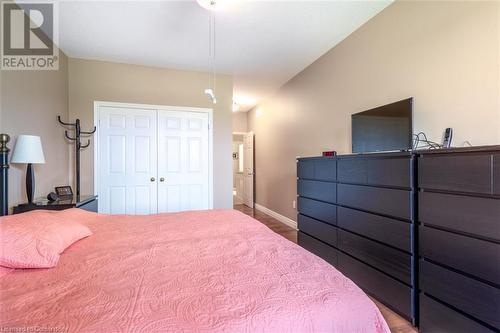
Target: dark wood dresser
(317, 218)
(459, 240)
(355, 211)
(419, 231)
(375, 216)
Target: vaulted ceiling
(262, 44)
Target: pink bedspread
(209, 271)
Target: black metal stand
(4, 174)
(78, 146)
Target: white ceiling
(262, 43)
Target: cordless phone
(448, 133)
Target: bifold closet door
(127, 160)
(183, 161)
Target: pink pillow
(36, 239)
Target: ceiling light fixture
(213, 4)
(210, 93)
(210, 90)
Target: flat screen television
(385, 128)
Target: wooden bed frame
(4, 174)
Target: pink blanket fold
(208, 271)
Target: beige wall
(30, 104)
(240, 122)
(444, 54)
(91, 81)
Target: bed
(204, 271)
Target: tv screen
(385, 128)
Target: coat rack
(78, 146)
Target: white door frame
(99, 104)
(232, 189)
(253, 157)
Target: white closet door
(183, 161)
(127, 160)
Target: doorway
(243, 168)
(152, 159)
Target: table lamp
(28, 150)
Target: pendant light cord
(211, 51)
(213, 47)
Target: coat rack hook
(63, 123)
(68, 137)
(91, 132)
(85, 146)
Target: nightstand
(88, 202)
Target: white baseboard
(283, 219)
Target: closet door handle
(152, 179)
(162, 179)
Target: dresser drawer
(317, 169)
(473, 215)
(320, 249)
(386, 201)
(477, 257)
(391, 292)
(392, 262)
(438, 318)
(305, 169)
(318, 210)
(320, 230)
(352, 170)
(475, 298)
(325, 169)
(375, 171)
(319, 190)
(470, 173)
(383, 229)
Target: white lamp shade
(28, 149)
